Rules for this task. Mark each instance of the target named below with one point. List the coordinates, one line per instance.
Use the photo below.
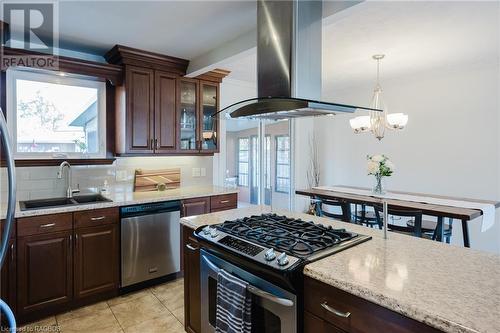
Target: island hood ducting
(289, 36)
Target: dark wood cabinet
(195, 206)
(96, 260)
(192, 292)
(60, 267)
(165, 112)
(8, 279)
(140, 110)
(159, 111)
(197, 101)
(209, 126)
(313, 324)
(328, 309)
(45, 272)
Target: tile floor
(157, 309)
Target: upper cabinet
(209, 104)
(159, 111)
(198, 101)
(188, 115)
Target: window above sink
(53, 115)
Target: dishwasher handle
(150, 208)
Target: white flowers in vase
(379, 166)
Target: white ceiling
(415, 36)
(183, 29)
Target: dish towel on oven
(234, 305)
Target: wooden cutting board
(148, 180)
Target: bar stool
(365, 217)
(327, 207)
(416, 225)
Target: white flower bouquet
(379, 166)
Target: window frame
(45, 76)
(276, 138)
(247, 162)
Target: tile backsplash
(42, 182)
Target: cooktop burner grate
(293, 236)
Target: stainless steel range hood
(289, 36)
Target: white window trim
(51, 77)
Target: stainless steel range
(268, 251)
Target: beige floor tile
(162, 324)
(48, 324)
(179, 283)
(128, 297)
(138, 310)
(99, 321)
(179, 314)
(173, 298)
(81, 312)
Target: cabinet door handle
(156, 144)
(48, 225)
(152, 144)
(191, 247)
(336, 312)
(12, 252)
(98, 218)
(224, 201)
(69, 243)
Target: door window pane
(283, 163)
(243, 159)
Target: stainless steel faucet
(69, 191)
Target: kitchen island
(448, 288)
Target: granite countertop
(125, 197)
(451, 288)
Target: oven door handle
(269, 296)
(254, 290)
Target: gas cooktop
(279, 241)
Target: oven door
(274, 310)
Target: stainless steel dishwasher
(150, 241)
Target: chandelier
(378, 121)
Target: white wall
(450, 146)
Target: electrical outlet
(196, 172)
(203, 172)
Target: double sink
(83, 199)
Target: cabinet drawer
(226, 201)
(195, 206)
(354, 314)
(96, 217)
(43, 224)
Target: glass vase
(378, 187)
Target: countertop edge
(390, 303)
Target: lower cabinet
(314, 324)
(192, 293)
(196, 206)
(96, 260)
(58, 270)
(328, 309)
(44, 271)
(8, 278)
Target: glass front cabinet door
(188, 115)
(209, 104)
(198, 130)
